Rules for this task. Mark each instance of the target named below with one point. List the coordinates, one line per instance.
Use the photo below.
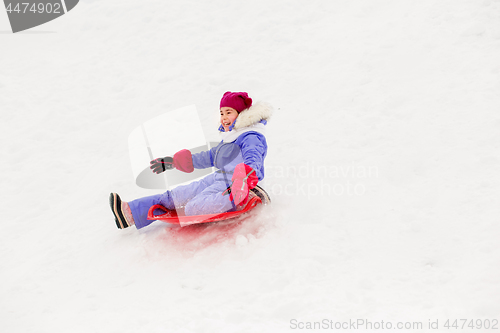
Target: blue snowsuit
(205, 196)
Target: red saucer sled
(178, 217)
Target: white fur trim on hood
(253, 115)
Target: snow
(382, 167)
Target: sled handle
(151, 212)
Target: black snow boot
(116, 206)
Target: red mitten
(244, 179)
(183, 161)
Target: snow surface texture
(387, 117)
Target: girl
(238, 158)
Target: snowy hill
(383, 166)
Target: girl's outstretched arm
(204, 159)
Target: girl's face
(227, 117)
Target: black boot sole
(116, 206)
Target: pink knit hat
(236, 100)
